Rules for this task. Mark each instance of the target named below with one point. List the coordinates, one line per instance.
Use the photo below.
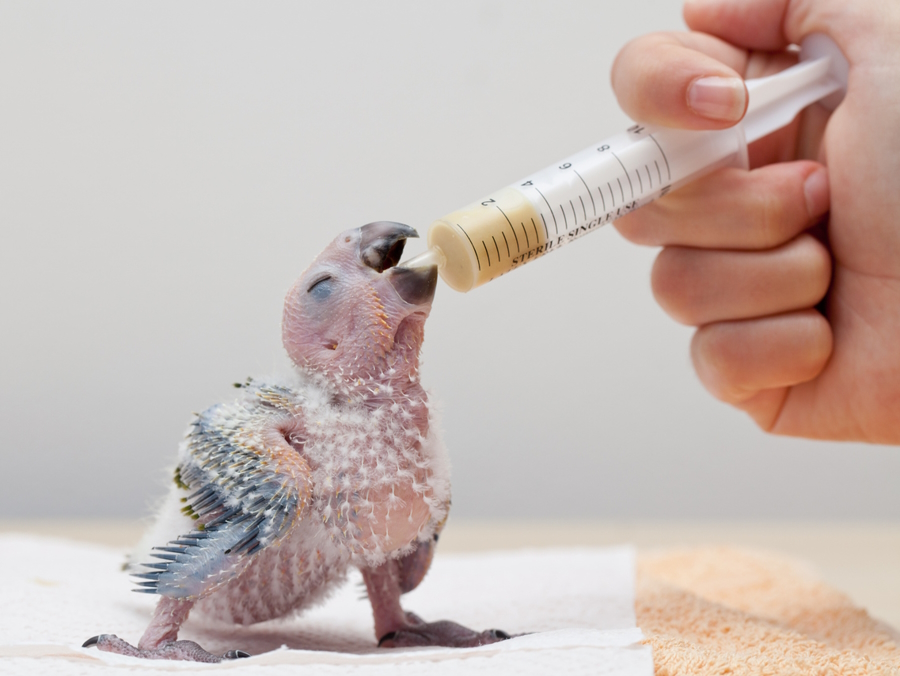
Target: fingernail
(815, 189)
(718, 98)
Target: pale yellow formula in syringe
(565, 201)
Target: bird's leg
(159, 640)
(396, 628)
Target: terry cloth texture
(728, 611)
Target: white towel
(578, 605)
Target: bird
(335, 465)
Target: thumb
(686, 80)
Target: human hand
(741, 259)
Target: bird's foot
(174, 650)
(441, 633)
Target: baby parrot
(278, 493)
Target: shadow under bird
(278, 494)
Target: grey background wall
(167, 170)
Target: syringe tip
(427, 258)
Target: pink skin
(369, 333)
(159, 640)
(401, 629)
(363, 324)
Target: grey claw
(500, 634)
(93, 640)
(235, 654)
(387, 637)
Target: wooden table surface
(859, 558)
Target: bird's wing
(244, 484)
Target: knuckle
(820, 265)
(716, 360)
(713, 349)
(817, 343)
(813, 265)
(771, 216)
(639, 227)
(672, 285)
(780, 206)
(663, 222)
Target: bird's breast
(373, 481)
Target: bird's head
(354, 313)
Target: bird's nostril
(499, 634)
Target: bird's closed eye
(321, 289)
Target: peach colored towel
(728, 611)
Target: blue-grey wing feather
(242, 498)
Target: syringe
(577, 195)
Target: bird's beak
(415, 285)
(380, 248)
(381, 244)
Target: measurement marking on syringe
(669, 171)
(555, 224)
(486, 252)
(626, 176)
(477, 259)
(496, 247)
(621, 190)
(640, 182)
(565, 220)
(649, 177)
(574, 215)
(630, 186)
(582, 207)
(658, 172)
(518, 248)
(525, 232)
(544, 221)
(589, 195)
(506, 242)
(612, 194)
(537, 237)
(602, 198)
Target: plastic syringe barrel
(566, 201)
(563, 202)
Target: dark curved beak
(415, 285)
(381, 243)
